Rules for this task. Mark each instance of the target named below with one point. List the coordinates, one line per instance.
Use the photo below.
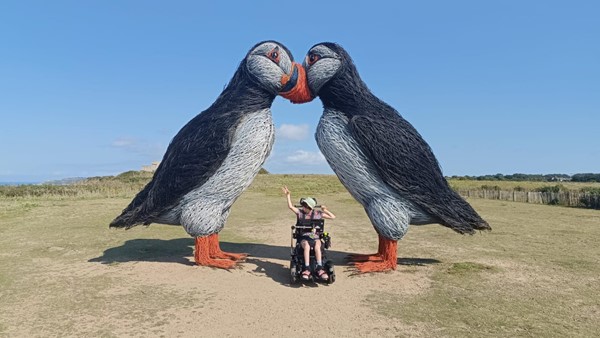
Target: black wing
(193, 156)
(406, 162)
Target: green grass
(468, 268)
(534, 275)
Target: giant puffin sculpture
(380, 158)
(217, 154)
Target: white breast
(388, 210)
(204, 210)
(347, 159)
(252, 143)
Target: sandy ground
(257, 299)
(138, 290)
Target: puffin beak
(295, 85)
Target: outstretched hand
(285, 190)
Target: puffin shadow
(150, 250)
(278, 252)
(260, 254)
(406, 261)
(277, 272)
(180, 250)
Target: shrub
(555, 188)
(490, 187)
(591, 190)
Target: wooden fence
(565, 198)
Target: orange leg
(369, 258)
(388, 261)
(202, 257)
(214, 250)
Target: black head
(332, 75)
(267, 63)
(325, 62)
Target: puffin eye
(274, 55)
(312, 58)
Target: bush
(490, 187)
(131, 177)
(591, 190)
(555, 188)
(591, 201)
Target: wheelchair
(297, 252)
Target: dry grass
(534, 275)
(64, 273)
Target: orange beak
(295, 86)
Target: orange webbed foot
(372, 257)
(380, 266)
(214, 250)
(387, 258)
(229, 255)
(202, 255)
(365, 258)
(217, 263)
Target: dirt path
(256, 299)
(250, 302)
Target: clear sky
(91, 88)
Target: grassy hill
(129, 183)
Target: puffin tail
(126, 220)
(458, 215)
(482, 225)
(471, 224)
(468, 227)
(133, 215)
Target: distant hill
(65, 181)
(16, 183)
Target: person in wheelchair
(311, 238)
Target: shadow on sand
(181, 249)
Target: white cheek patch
(321, 72)
(284, 62)
(265, 71)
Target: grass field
(64, 273)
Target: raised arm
(326, 213)
(291, 206)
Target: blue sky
(91, 88)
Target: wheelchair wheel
(330, 271)
(293, 273)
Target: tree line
(585, 177)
